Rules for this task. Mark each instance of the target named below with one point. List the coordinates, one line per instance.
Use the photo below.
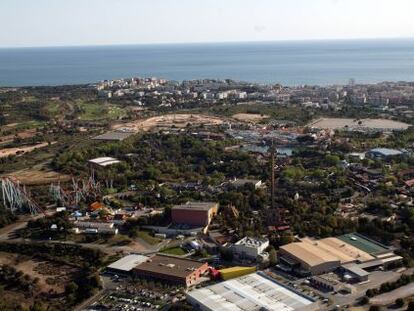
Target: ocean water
(288, 63)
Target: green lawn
(177, 251)
(97, 111)
(53, 108)
(29, 125)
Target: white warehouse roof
(104, 161)
(249, 293)
(127, 263)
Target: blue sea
(288, 63)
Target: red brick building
(194, 213)
(171, 269)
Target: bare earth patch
(169, 120)
(250, 117)
(23, 134)
(21, 150)
(342, 123)
(39, 176)
(52, 276)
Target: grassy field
(99, 111)
(29, 125)
(145, 235)
(177, 251)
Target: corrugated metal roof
(251, 292)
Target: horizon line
(208, 42)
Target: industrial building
(94, 227)
(171, 269)
(249, 248)
(383, 255)
(125, 265)
(250, 292)
(197, 214)
(307, 259)
(383, 153)
(235, 272)
(353, 253)
(118, 135)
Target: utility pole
(272, 183)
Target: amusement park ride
(18, 200)
(81, 190)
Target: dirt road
(5, 152)
(389, 298)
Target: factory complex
(251, 292)
(353, 253)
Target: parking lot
(329, 300)
(138, 295)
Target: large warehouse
(194, 213)
(320, 256)
(313, 257)
(250, 292)
(171, 269)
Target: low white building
(103, 161)
(239, 183)
(94, 227)
(249, 248)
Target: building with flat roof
(307, 258)
(353, 272)
(126, 264)
(383, 153)
(94, 227)
(119, 135)
(315, 257)
(365, 244)
(320, 256)
(250, 292)
(171, 269)
(103, 161)
(249, 248)
(345, 252)
(198, 214)
(234, 272)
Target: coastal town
(150, 194)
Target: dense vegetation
(84, 283)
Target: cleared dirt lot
(169, 120)
(21, 150)
(342, 123)
(52, 276)
(23, 134)
(39, 175)
(250, 117)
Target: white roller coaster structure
(81, 189)
(16, 198)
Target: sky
(109, 22)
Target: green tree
(399, 302)
(272, 257)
